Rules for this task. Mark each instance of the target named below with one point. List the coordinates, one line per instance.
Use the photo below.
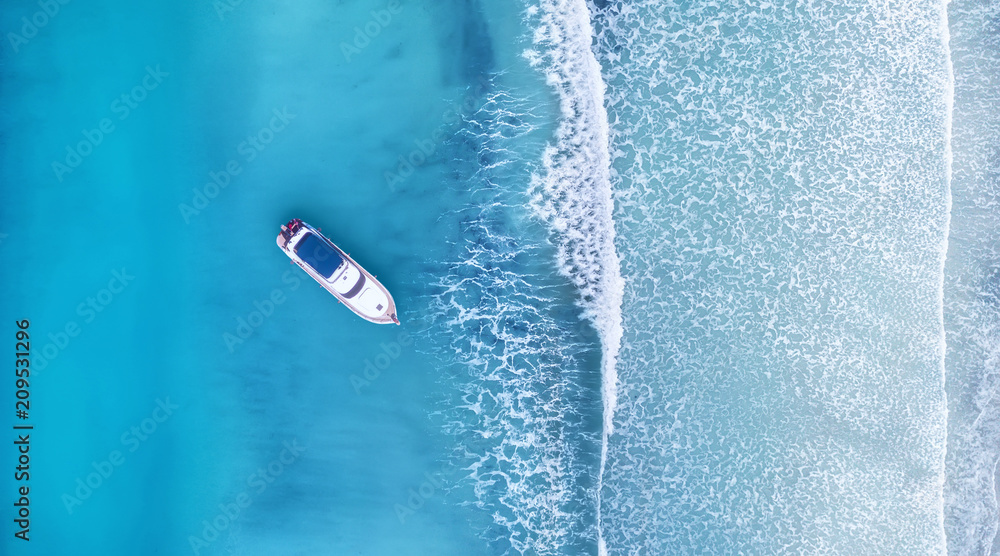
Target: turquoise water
(673, 277)
(201, 267)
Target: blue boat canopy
(319, 255)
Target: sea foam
(523, 418)
(573, 193)
(779, 380)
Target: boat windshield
(319, 255)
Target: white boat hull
(337, 272)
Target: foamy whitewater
(781, 223)
(780, 220)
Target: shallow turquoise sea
(293, 427)
(674, 277)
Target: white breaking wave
(573, 194)
(972, 293)
(949, 102)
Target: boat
(337, 272)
